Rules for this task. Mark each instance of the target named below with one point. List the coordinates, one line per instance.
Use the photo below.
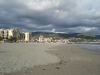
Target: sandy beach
(47, 59)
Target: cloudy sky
(64, 16)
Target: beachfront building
(1, 33)
(22, 36)
(44, 40)
(8, 33)
(27, 36)
(48, 39)
(14, 32)
(4, 33)
(41, 38)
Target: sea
(90, 46)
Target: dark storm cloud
(66, 16)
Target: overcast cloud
(65, 16)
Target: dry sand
(20, 56)
(48, 59)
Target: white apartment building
(14, 32)
(8, 33)
(27, 36)
(42, 39)
(22, 36)
(1, 34)
(4, 33)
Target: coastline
(73, 60)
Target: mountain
(62, 35)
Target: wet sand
(60, 59)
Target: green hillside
(61, 35)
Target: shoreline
(73, 60)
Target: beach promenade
(47, 59)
